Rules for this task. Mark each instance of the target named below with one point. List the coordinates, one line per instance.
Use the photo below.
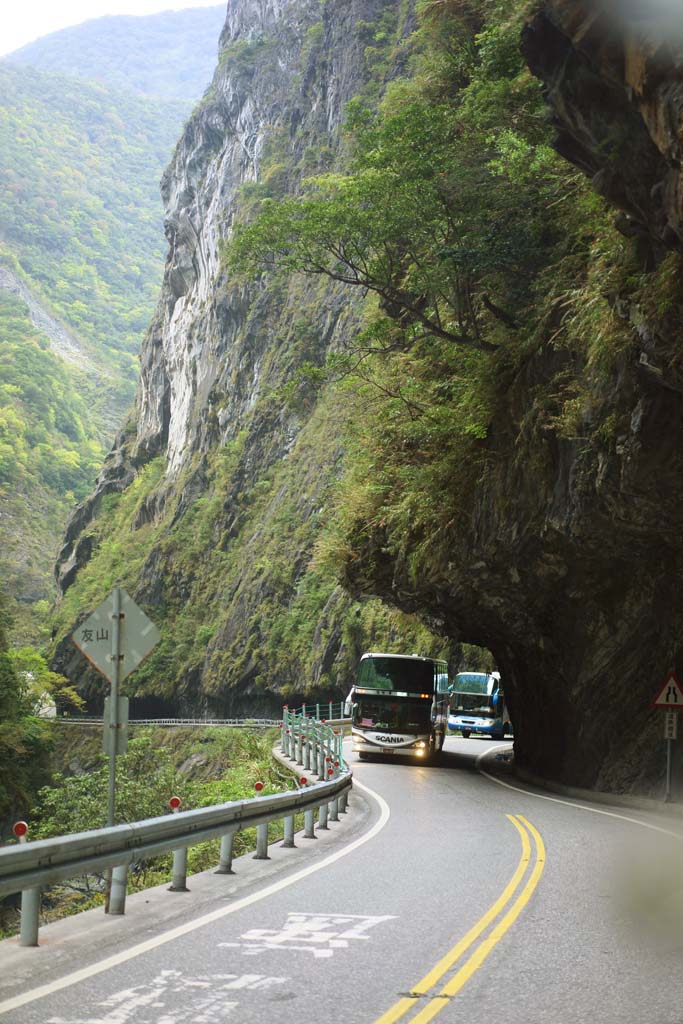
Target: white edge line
(143, 947)
(570, 803)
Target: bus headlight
(420, 744)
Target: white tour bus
(399, 705)
(478, 706)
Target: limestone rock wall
(218, 350)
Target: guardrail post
(261, 832)
(30, 899)
(320, 765)
(334, 802)
(117, 893)
(309, 823)
(30, 917)
(286, 744)
(299, 742)
(285, 727)
(225, 856)
(288, 840)
(179, 882)
(315, 739)
(322, 816)
(262, 842)
(307, 747)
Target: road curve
(443, 895)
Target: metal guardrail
(27, 867)
(237, 723)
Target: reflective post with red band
(30, 899)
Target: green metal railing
(326, 711)
(312, 743)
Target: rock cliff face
(615, 83)
(568, 568)
(210, 426)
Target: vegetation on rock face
(479, 242)
(223, 557)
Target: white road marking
(184, 929)
(210, 1006)
(570, 803)
(319, 934)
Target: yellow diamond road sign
(137, 636)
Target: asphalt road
(443, 894)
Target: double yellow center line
(506, 909)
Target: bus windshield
(474, 693)
(400, 674)
(408, 716)
(474, 703)
(473, 682)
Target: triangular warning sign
(671, 695)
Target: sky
(26, 20)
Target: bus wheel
(465, 734)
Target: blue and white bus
(477, 705)
(399, 705)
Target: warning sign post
(670, 699)
(115, 639)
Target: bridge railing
(234, 723)
(329, 711)
(314, 745)
(27, 867)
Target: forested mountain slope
(171, 55)
(79, 205)
(81, 247)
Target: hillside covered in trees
(81, 257)
(170, 56)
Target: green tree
(42, 686)
(23, 737)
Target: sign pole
(667, 794)
(114, 702)
(670, 699)
(115, 639)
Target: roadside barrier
(28, 867)
(169, 723)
